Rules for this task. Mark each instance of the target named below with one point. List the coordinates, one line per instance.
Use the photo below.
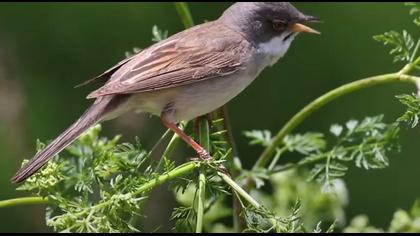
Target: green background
(47, 48)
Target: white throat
(275, 49)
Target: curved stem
(240, 190)
(23, 201)
(410, 67)
(185, 14)
(327, 98)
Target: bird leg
(202, 153)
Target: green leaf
(412, 104)
(158, 34)
(306, 144)
(259, 137)
(415, 11)
(403, 45)
(366, 143)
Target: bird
(189, 74)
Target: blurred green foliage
(47, 48)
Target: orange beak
(300, 28)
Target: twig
(327, 98)
(239, 190)
(201, 193)
(185, 14)
(23, 201)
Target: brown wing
(194, 55)
(106, 75)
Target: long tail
(93, 115)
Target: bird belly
(190, 101)
(201, 98)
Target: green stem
(23, 201)
(410, 67)
(171, 146)
(416, 49)
(327, 98)
(204, 134)
(185, 14)
(200, 200)
(239, 223)
(164, 136)
(276, 158)
(175, 173)
(239, 190)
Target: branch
(201, 194)
(239, 190)
(177, 172)
(185, 14)
(204, 134)
(23, 201)
(329, 97)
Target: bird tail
(92, 116)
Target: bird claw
(202, 156)
(205, 157)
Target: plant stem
(201, 201)
(276, 158)
(179, 171)
(239, 190)
(171, 146)
(416, 49)
(239, 223)
(23, 201)
(163, 137)
(327, 98)
(185, 14)
(410, 67)
(204, 134)
(222, 113)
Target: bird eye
(279, 25)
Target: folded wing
(194, 55)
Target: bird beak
(301, 28)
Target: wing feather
(193, 55)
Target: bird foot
(205, 156)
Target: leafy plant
(411, 116)
(101, 185)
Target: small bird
(189, 74)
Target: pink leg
(197, 147)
